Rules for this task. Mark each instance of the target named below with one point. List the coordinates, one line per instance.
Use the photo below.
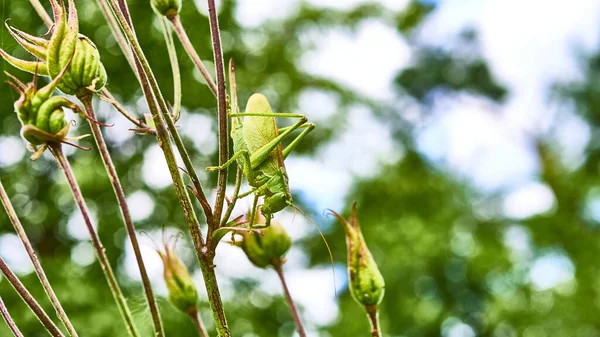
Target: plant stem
(222, 108)
(214, 296)
(39, 8)
(195, 316)
(189, 48)
(290, 301)
(118, 189)
(373, 314)
(117, 33)
(174, 67)
(236, 191)
(63, 163)
(152, 92)
(8, 319)
(12, 215)
(29, 300)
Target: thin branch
(189, 48)
(195, 316)
(12, 215)
(128, 222)
(39, 8)
(29, 300)
(236, 191)
(8, 319)
(63, 163)
(290, 301)
(174, 68)
(222, 108)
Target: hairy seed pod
(268, 249)
(183, 294)
(85, 73)
(366, 282)
(168, 8)
(41, 114)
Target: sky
(527, 49)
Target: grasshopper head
(276, 202)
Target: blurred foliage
(444, 257)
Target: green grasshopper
(258, 151)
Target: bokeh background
(466, 130)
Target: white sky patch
(119, 132)
(141, 205)
(350, 4)
(518, 239)
(453, 327)
(528, 200)
(155, 170)
(551, 270)
(76, 227)
(317, 105)
(12, 150)
(478, 143)
(365, 61)
(253, 13)
(200, 129)
(83, 253)
(13, 252)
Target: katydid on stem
(258, 151)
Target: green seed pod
(366, 282)
(41, 114)
(85, 73)
(182, 290)
(168, 8)
(268, 249)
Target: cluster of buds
(269, 247)
(366, 282)
(183, 294)
(66, 48)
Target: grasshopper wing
(260, 130)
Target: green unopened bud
(168, 8)
(66, 46)
(366, 282)
(41, 114)
(268, 249)
(182, 290)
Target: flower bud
(41, 114)
(66, 46)
(182, 290)
(168, 8)
(366, 282)
(268, 249)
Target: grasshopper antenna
(324, 240)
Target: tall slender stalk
(189, 48)
(12, 215)
(128, 222)
(29, 300)
(63, 163)
(174, 67)
(290, 300)
(222, 108)
(373, 314)
(8, 319)
(195, 316)
(39, 8)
